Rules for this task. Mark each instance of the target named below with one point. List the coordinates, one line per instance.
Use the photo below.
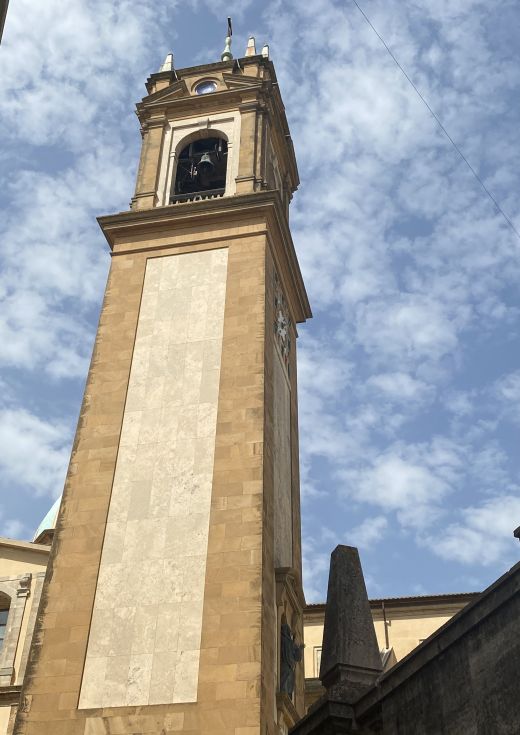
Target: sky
(409, 372)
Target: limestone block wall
(282, 464)
(144, 643)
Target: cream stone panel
(282, 464)
(407, 630)
(313, 639)
(176, 131)
(144, 642)
(5, 713)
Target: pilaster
(145, 196)
(18, 590)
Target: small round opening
(206, 87)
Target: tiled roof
(412, 598)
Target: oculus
(205, 87)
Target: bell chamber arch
(201, 170)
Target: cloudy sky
(410, 369)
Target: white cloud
(13, 528)
(410, 327)
(483, 535)
(507, 390)
(401, 387)
(62, 70)
(410, 480)
(368, 533)
(35, 453)
(315, 570)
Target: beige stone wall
(280, 509)
(18, 558)
(5, 713)
(22, 566)
(228, 696)
(408, 628)
(144, 644)
(408, 625)
(283, 537)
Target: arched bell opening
(201, 170)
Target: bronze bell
(205, 164)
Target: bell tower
(173, 601)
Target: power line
(439, 122)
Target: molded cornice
(209, 215)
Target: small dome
(45, 530)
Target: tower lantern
(176, 564)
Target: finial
(251, 47)
(226, 54)
(168, 64)
(265, 51)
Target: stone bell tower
(173, 601)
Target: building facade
(173, 599)
(22, 571)
(409, 620)
(401, 624)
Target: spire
(251, 47)
(265, 51)
(226, 54)
(168, 64)
(350, 657)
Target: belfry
(173, 599)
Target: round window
(205, 87)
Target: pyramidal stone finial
(265, 51)
(350, 658)
(168, 63)
(251, 47)
(226, 54)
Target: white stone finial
(226, 54)
(168, 64)
(265, 51)
(251, 47)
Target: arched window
(4, 614)
(201, 170)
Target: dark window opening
(4, 614)
(201, 168)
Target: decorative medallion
(282, 322)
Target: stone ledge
(497, 595)
(9, 695)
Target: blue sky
(409, 372)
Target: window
(3, 625)
(201, 170)
(317, 661)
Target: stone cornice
(24, 545)
(200, 216)
(434, 602)
(10, 695)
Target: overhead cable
(439, 122)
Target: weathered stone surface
(463, 680)
(350, 656)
